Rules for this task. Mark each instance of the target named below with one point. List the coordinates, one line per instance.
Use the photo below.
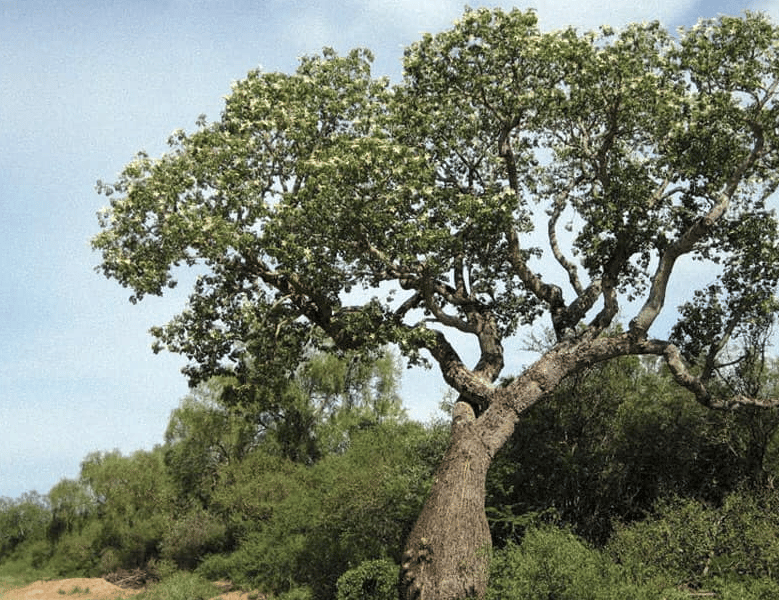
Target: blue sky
(86, 84)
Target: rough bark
(447, 553)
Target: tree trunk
(447, 553)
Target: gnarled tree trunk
(447, 553)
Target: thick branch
(475, 388)
(686, 242)
(682, 376)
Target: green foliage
(133, 500)
(78, 554)
(553, 563)
(297, 593)
(314, 183)
(698, 545)
(307, 526)
(22, 521)
(609, 443)
(371, 580)
(757, 589)
(180, 586)
(192, 536)
(72, 506)
(201, 436)
(606, 447)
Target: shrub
(697, 545)
(181, 586)
(298, 593)
(554, 563)
(758, 589)
(678, 541)
(191, 537)
(371, 580)
(550, 563)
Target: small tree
(328, 201)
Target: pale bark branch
(467, 383)
(569, 267)
(683, 377)
(686, 242)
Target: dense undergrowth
(619, 486)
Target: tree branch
(559, 206)
(687, 240)
(474, 387)
(683, 377)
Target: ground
(83, 589)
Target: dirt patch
(81, 588)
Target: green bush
(181, 586)
(550, 563)
(679, 541)
(371, 580)
(554, 563)
(22, 521)
(757, 589)
(695, 545)
(75, 554)
(191, 537)
(298, 593)
(304, 526)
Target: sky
(84, 85)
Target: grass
(16, 574)
(180, 586)
(75, 590)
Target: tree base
(447, 554)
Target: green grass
(16, 574)
(180, 586)
(75, 590)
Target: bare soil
(83, 588)
(80, 588)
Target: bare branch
(569, 267)
(681, 374)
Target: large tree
(512, 176)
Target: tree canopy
(380, 213)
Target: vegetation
(330, 215)
(633, 490)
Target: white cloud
(585, 15)
(413, 16)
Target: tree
(134, 502)
(329, 201)
(202, 435)
(313, 413)
(22, 520)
